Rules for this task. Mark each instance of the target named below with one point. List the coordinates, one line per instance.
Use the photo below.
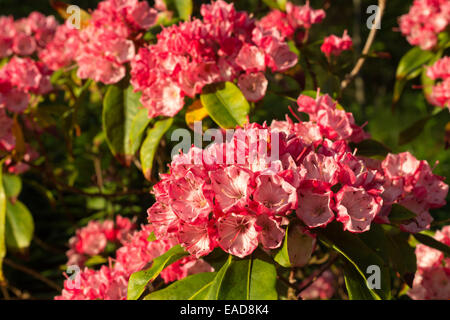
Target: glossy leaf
(195, 112)
(432, 243)
(151, 143)
(19, 226)
(12, 185)
(409, 67)
(252, 278)
(188, 288)
(358, 253)
(225, 104)
(356, 284)
(139, 124)
(402, 256)
(282, 255)
(120, 106)
(64, 11)
(182, 7)
(139, 280)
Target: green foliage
(225, 104)
(139, 280)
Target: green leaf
(356, 284)
(402, 256)
(185, 289)
(182, 7)
(409, 67)
(252, 278)
(400, 213)
(432, 243)
(151, 237)
(120, 106)
(414, 130)
(282, 255)
(300, 246)
(2, 222)
(151, 143)
(95, 260)
(411, 62)
(19, 226)
(139, 280)
(225, 104)
(370, 148)
(139, 124)
(214, 288)
(358, 253)
(12, 185)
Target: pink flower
(274, 195)
(272, 234)
(440, 70)
(321, 288)
(253, 86)
(237, 234)
(231, 187)
(314, 208)
(188, 200)
(356, 208)
(333, 45)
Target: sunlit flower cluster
(432, 279)
(207, 202)
(225, 45)
(296, 21)
(25, 36)
(424, 21)
(110, 282)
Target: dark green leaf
(400, 213)
(185, 289)
(225, 104)
(402, 256)
(252, 278)
(358, 253)
(356, 285)
(139, 280)
(120, 107)
(139, 124)
(370, 148)
(151, 143)
(432, 243)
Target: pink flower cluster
(412, 184)
(207, 202)
(440, 95)
(92, 240)
(424, 21)
(25, 36)
(111, 282)
(224, 46)
(62, 49)
(432, 279)
(20, 77)
(333, 45)
(106, 44)
(296, 18)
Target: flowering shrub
(298, 180)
